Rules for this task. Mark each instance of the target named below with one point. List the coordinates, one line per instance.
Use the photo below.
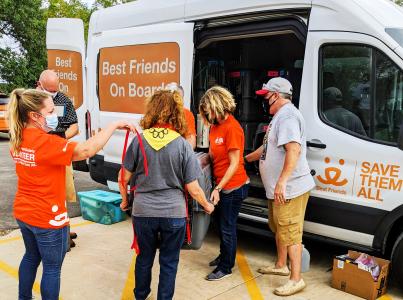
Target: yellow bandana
(158, 138)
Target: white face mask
(53, 95)
(51, 122)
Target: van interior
(242, 58)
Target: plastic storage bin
(101, 207)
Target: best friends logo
(333, 177)
(333, 174)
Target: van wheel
(397, 260)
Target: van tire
(397, 260)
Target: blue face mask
(51, 122)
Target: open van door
(66, 55)
(130, 65)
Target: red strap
(135, 245)
(188, 232)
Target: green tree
(69, 9)
(22, 21)
(107, 3)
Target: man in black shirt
(67, 127)
(68, 123)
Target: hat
(332, 94)
(277, 84)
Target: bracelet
(218, 189)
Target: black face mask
(266, 105)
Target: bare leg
(295, 253)
(281, 254)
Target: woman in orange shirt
(40, 205)
(232, 184)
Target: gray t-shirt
(161, 193)
(286, 126)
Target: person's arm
(192, 141)
(91, 146)
(292, 153)
(255, 155)
(233, 156)
(72, 131)
(197, 193)
(123, 187)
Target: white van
(344, 59)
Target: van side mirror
(400, 138)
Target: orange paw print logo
(332, 175)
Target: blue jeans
(227, 216)
(169, 235)
(48, 246)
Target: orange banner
(68, 66)
(130, 74)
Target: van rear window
(127, 75)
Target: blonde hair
(165, 107)
(21, 103)
(217, 100)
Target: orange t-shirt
(223, 138)
(190, 120)
(41, 169)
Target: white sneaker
(290, 288)
(284, 271)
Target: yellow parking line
(17, 238)
(81, 224)
(14, 273)
(385, 297)
(127, 293)
(253, 289)
(5, 241)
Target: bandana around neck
(160, 136)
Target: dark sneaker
(217, 275)
(72, 243)
(215, 262)
(73, 235)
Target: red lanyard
(135, 244)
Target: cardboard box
(349, 278)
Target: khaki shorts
(287, 220)
(70, 189)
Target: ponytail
(21, 103)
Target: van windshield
(396, 34)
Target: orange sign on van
(68, 66)
(130, 74)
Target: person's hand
(124, 205)
(209, 208)
(279, 192)
(215, 197)
(125, 125)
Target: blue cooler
(101, 207)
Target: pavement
(101, 266)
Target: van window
(361, 92)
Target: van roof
(355, 15)
(145, 12)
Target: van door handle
(316, 145)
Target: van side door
(130, 65)
(351, 98)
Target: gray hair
(286, 96)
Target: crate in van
(101, 206)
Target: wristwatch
(218, 188)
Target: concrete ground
(102, 264)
